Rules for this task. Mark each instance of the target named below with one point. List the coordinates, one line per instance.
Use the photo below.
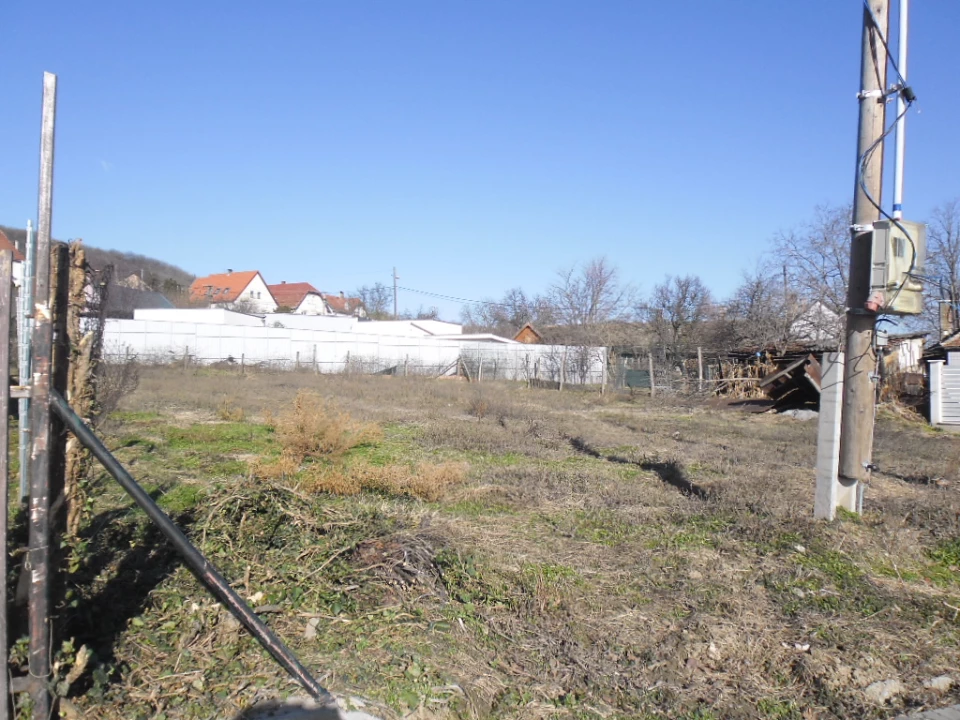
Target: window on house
(899, 247)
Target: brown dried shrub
(426, 481)
(315, 428)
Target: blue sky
(476, 146)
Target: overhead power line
(451, 298)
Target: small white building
(299, 298)
(244, 291)
(944, 382)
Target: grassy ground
(586, 557)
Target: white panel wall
(333, 350)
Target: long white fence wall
(337, 351)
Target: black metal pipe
(202, 569)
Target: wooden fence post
(563, 367)
(653, 384)
(700, 369)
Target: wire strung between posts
(453, 299)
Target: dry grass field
(448, 550)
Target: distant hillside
(158, 275)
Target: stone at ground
(310, 632)
(941, 683)
(801, 414)
(881, 692)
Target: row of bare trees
(795, 293)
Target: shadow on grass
(670, 471)
(137, 558)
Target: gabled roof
(5, 244)
(342, 305)
(952, 342)
(223, 287)
(291, 294)
(526, 330)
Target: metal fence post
(40, 541)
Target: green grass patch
(474, 508)
(182, 498)
(778, 709)
(136, 417)
(603, 527)
(828, 581)
(945, 569)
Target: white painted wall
(333, 350)
(339, 323)
(438, 327)
(256, 296)
(312, 304)
(204, 316)
(909, 354)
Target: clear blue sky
(476, 146)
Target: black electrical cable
(883, 41)
(861, 169)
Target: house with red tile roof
(342, 305)
(243, 291)
(5, 244)
(18, 257)
(301, 298)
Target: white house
(301, 298)
(245, 291)
(818, 324)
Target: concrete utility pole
(856, 433)
(395, 278)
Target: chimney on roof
(229, 271)
(341, 293)
(283, 282)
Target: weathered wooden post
(653, 385)
(700, 369)
(563, 367)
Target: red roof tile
(5, 244)
(342, 305)
(223, 287)
(291, 294)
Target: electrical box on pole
(897, 261)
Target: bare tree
(590, 295)
(763, 311)
(508, 314)
(943, 257)
(817, 257)
(677, 312)
(376, 299)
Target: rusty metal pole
(40, 550)
(6, 296)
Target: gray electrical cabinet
(897, 265)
